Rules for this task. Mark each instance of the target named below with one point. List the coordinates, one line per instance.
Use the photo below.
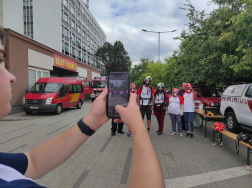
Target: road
(104, 161)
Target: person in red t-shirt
(161, 98)
(145, 99)
(175, 109)
(189, 97)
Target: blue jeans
(175, 118)
(189, 115)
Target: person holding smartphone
(19, 170)
(145, 99)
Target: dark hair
(2, 35)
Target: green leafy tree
(137, 71)
(200, 58)
(114, 57)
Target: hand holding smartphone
(118, 92)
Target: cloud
(124, 20)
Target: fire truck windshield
(99, 84)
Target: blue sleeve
(19, 184)
(17, 161)
(180, 93)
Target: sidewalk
(105, 160)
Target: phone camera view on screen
(118, 92)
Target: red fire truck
(97, 85)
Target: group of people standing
(180, 106)
(118, 93)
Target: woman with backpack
(161, 98)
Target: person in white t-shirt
(175, 109)
(189, 97)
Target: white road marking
(205, 178)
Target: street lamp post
(158, 39)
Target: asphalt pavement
(105, 161)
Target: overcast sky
(124, 20)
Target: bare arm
(144, 160)
(47, 156)
(182, 107)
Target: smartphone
(118, 92)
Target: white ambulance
(236, 106)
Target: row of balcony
(78, 58)
(77, 33)
(83, 17)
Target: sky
(124, 20)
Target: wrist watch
(85, 129)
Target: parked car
(53, 94)
(236, 106)
(208, 96)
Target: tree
(114, 57)
(200, 58)
(137, 71)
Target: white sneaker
(173, 133)
(180, 134)
(149, 131)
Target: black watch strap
(85, 129)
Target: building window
(78, 41)
(34, 75)
(87, 38)
(73, 50)
(66, 47)
(72, 10)
(73, 37)
(66, 32)
(65, 17)
(28, 18)
(79, 54)
(73, 24)
(63, 45)
(66, 3)
(79, 30)
(84, 57)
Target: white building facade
(63, 25)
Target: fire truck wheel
(79, 104)
(232, 124)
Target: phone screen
(118, 92)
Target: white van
(236, 106)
